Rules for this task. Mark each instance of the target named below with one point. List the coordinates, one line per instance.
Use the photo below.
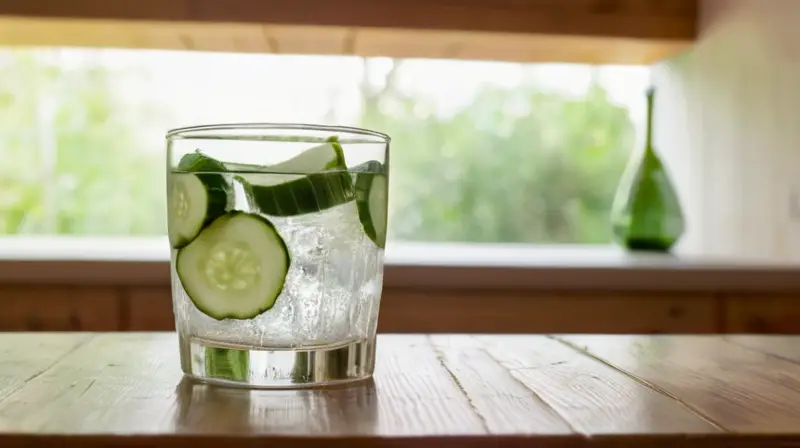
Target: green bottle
(647, 215)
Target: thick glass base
(277, 367)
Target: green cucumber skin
(228, 364)
(363, 184)
(216, 187)
(339, 163)
(218, 193)
(258, 312)
(197, 161)
(312, 193)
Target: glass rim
(187, 131)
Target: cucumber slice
(371, 198)
(323, 157)
(195, 201)
(292, 195)
(235, 268)
(284, 192)
(284, 189)
(319, 158)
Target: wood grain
(132, 383)
(113, 383)
(126, 390)
(504, 404)
(740, 389)
(26, 356)
(416, 393)
(593, 397)
(785, 347)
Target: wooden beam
(649, 19)
(591, 31)
(302, 39)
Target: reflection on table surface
(207, 409)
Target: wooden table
(126, 390)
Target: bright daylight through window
(482, 152)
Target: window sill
(144, 261)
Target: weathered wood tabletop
(126, 390)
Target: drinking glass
(277, 235)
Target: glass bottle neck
(648, 143)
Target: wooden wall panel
(454, 311)
(54, 308)
(770, 314)
(136, 308)
(493, 312)
(149, 309)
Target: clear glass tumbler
(277, 236)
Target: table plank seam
(431, 390)
(47, 368)
(440, 358)
(758, 350)
(538, 397)
(699, 414)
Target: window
(483, 152)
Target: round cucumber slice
(195, 201)
(371, 189)
(235, 268)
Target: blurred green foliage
(70, 161)
(518, 165)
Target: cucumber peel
(227, 364)
(311, 181)
(282, 195)
(371, 189)
(196, 199)
(324, 157)
(197, 161)
(281, 191)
